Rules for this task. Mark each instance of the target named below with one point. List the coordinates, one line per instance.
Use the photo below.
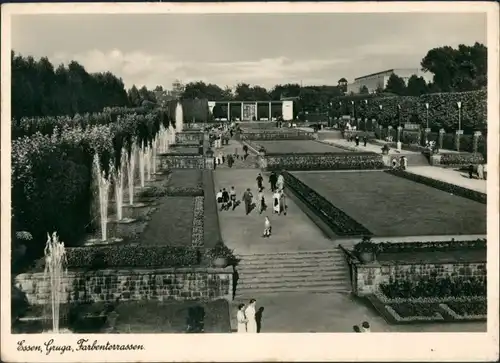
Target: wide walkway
(368, 148)
(450, 176)
(243, 233)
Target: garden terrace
(297, 146)
(390, 206)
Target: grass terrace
(391, 206)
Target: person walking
(471, 171)
(230, 160)
(273, 178)
(241, 318)
(250, 316)
(247, 199)
(365, 140)
(357, 140)
(225, 199)
(245, 151)
(267, 227)
(262, 202)
(283, 206)
(232, 197)
(259, 182)
(219, 197)
(281, 182)
(276, 202)
(480, 171)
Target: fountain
(131, 174)
(103, 184)
(171, 132)
(55, 272)
(153, 154)
(118, 177)
(179, 121)
(142, 157)
(149, 159)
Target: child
(267, 227)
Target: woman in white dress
(276, 202)
(267, 227)
(480, 171)
(250, 315)
(281, 182)
(242, 320)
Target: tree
(364, 90)
(134, 96)
(40, 89)
(458, 70)
(416, 86)
(284, 90)
(200, 90)
(244, 92)
(396, 85)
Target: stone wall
(366, 278)
(181, 161)
(189, 137)
(151, 284)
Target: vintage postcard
(250, 182)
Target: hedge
(443, 109)
(461, 159)
(129, 256)
(441, 185)
(431, 246)
(340, 223)
(325, 161)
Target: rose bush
(441, 185)
(461, 159)
(337, 220)
(197, 235)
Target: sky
(226, 49)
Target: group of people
(227, 199)
(365, 328)
(247, 317)
(480, 171)
(401, 163)
(356, 139)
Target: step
(307, 288)
(246, 295)
(288, 264)
(293, 274)
(280, 284)
(291, 253)
(267, 259)
(308, 269)
(279, 278)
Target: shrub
(337, 220)
(441, 185)
(96, 258)
(460, 159)
(435, 288)
(324, 161)
(197, 235)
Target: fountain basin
(99, 242)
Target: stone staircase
(306, 271)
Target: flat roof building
(379, 80)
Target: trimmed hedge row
(142, 256)
(461, 159)
(441, 185)
(277, 135)
(325, 161)
(433, 246)
(340, 223)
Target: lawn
(390, 206)
(171, 224)
(186, 178)
(298, 146)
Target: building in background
(379, 80)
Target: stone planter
(220, 262)
(367, 257)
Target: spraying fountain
(118, 179)
(179, 118)
(103, 184)
(54, 274)
(142, 157)
(131, 174)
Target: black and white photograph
(192, 171)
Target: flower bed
(438, 246)
(325, 161)
(272, 135)
(441, 185)
(337, 220)
(140, 256)
(197, 236)
(186, 183)
(407, 312)
(467, 310)
(461, 159)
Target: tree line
(41, 89)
